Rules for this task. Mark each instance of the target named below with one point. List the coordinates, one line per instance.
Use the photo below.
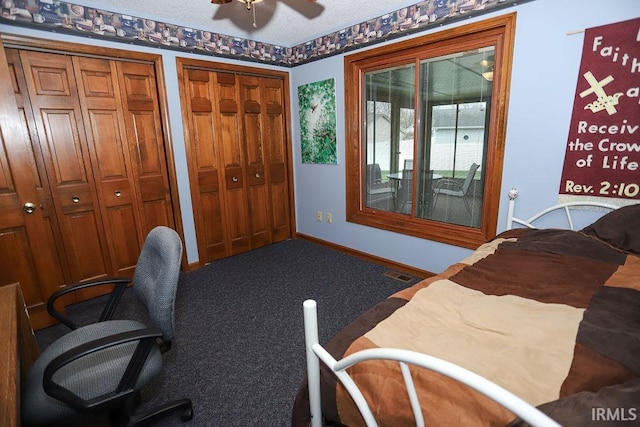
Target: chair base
(127, 419)
(183, 405)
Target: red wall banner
(602, 158)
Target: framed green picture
(317, 102)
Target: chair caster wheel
(187, 414)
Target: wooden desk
(18, 351)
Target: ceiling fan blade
(309, 9)
(220, 1)
(237, 13)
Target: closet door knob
(75, 199)
(234, 179)
(257, 174)
(118, 193)
(29, 207)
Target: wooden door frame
(183, 63)
(33, 43)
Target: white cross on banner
(602, 158)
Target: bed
(536, 327)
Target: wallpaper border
(78, 20)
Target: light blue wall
(545, 68)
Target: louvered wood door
(28, 254)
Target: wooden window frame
(499, 32)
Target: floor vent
(399, 276)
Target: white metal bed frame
(566, 207)
(316, 353)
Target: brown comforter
(551, 315)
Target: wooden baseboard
(368, 257)
(192, 266)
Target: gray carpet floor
(239, 347)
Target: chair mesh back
(155, 280)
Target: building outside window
(428, 153)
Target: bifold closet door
(215, 164)
(264, 130)
(204, 170)
(228, 121)
(236, 142)
(58, 119)
(125, 140)
(98, 154)
(259, 213)
(28, 254)
(106, 136)
(146, 144)
(275, 135)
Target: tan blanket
(546, 314)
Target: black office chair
(100, 368)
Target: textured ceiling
(279, 22)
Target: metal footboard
(316, 353)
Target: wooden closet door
(237, 151)
(146, 144)
(275, 137)
(265, 136)
(204, 165)
(58, 118)
(104, 125)
(255, 154)
(28, 255)
(229, 138)
(82, 141)
(216, 156)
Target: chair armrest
(146, 341)
(446, 183)
(110, 307)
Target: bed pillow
(619, 228)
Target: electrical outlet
(329, 218)
(319, 216)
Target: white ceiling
(280, 22)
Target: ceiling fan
(308, 8)
(249, 3)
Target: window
(425, 135)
